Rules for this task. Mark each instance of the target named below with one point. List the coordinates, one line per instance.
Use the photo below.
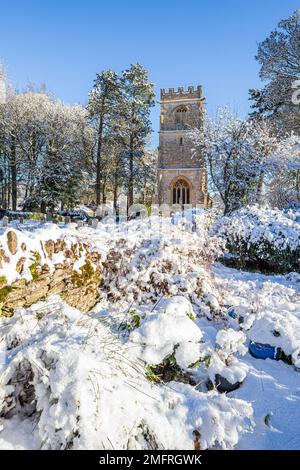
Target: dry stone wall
(71, 270)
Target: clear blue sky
(64, 43)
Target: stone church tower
(182, 177)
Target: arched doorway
(181, 191)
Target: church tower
(182, 177)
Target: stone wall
(79, 288)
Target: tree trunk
(298, 185)
(145, 190)
(116, 186)
(130, 180)
(104, 192)
(99, 162)
(13, 171)
(260, 188)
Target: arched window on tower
(180, 117)
(181, 192)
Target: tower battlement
(181, 93)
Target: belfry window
(180, 117)
(181, 141)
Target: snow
(79, 381)
(261, 227)
(86, 392)
(272, 387)
(166, 327)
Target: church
(182, 175)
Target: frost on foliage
(270, 238)
(71, 384)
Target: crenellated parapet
(181, 93)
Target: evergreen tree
(139, 98)
(279, 58)
(104, 103)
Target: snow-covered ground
(99, 380)
(272, 387)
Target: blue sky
(64, 43)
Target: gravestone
(5, 221)
(94, 223)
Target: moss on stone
(34, 271)
(4, 293)
(35, 266)
(36, 257)
(3, 281)
(87, 275)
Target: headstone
(79, 223)
(90, 222)
(5, 221)
(94, 223)
(67, 219)
(21, 220)
(194, 223)
(49, 217)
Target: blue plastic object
(263, 351)
(231, 312)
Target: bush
(262, 238)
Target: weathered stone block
(12, 242)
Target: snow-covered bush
(70, 383)
(170, 343)
(266, 238)
(279, 331)
(168, 337)
(224, 364)
(150, 261)
(139, 261)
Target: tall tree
(104, 103)
(139, 98)
(66, 158)
(237, 155)
(279, 58)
